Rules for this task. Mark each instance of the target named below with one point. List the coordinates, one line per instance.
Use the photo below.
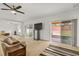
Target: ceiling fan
(13, 9)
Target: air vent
(76, 5)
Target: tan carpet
(34, 47)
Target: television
(38, 26)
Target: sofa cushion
(10, 40)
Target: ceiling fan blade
(4, 9)
(7, 5)
(18, 7)
(20, 11)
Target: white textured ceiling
(35, 10)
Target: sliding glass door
(64, 32)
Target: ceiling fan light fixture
(14, 12)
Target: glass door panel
(56, 31)
(66, 32)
